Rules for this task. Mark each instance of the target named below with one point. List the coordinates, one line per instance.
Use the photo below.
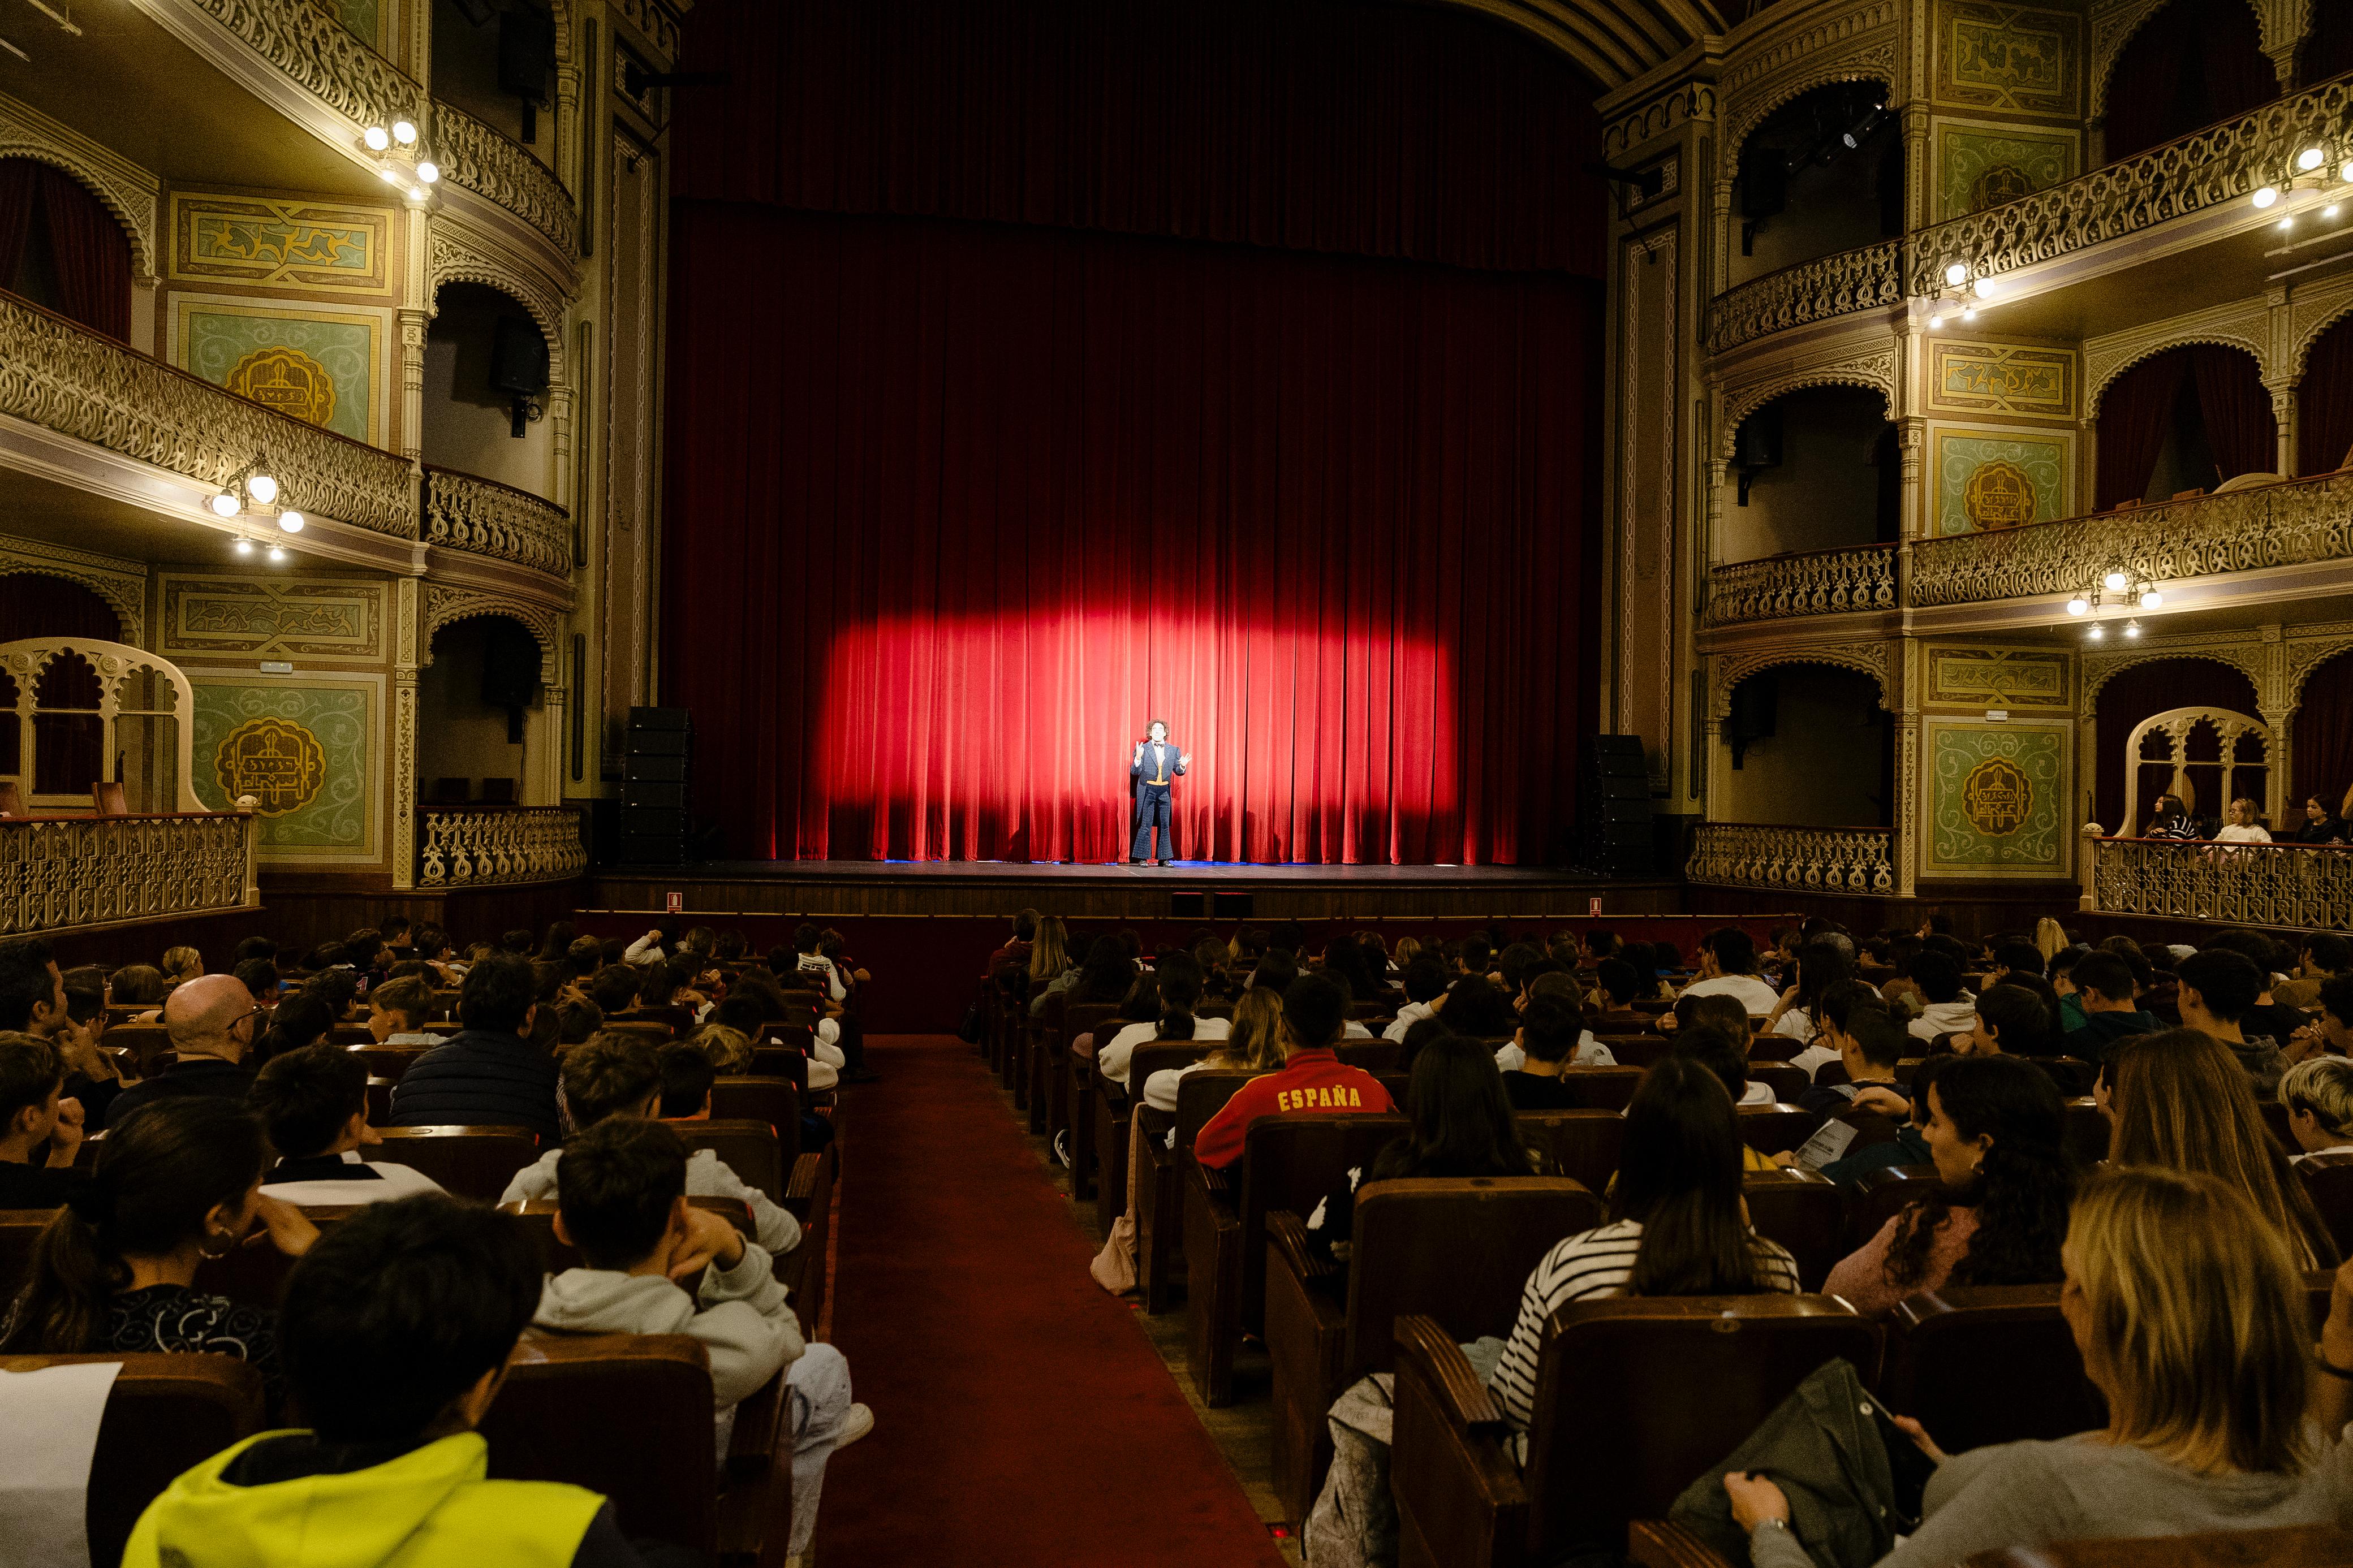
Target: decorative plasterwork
(483, 161)
(2239, 324)
(2310, 312)
(445, 606)
(1852, 280)
(314, 49)
(1843, 368)
(2305, 657)
(1732, 668)
(121, 583)
(2099, 668)
(483, 517)
(457, 252)
(655, 22)
(1686, 103)
(1857, 44)
(126, 190)
(2114, 23)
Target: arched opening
(484, 358)
(2204, 757)
(1816, 469)
(2320, 749)
(2183, 422)
(1804, 740)
(2324, 402)
(496, 61)
(61, 249)
(474, 704)
(2193, 63)
(1823, 174)
(2138, 694)
(37, 605)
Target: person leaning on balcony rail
(2321, 824)
(2242, 828)
(2170, 819)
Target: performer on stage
(1155, 765)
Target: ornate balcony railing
(1804, 583)
(484, 517)
(2286, 524)
(1836, 285)
(478, 845)
(63, 377)
(63, 872)
(319, 54)
(2294, 886)
(489, 164)
(1773, 854)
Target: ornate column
(412, 382)
(1727, 234)
(408, 642)
(1912, 446)
(2283, 392)
(559, 424)
(1905, 818)
(1917, 215)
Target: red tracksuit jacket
(1311, 1083)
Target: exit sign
(1593, 907)
(678, 904)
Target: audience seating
(254, 1273)
(1988, 1363)
(1459, 1251)
(1805, 1210)
(2328, 1178)
(538, 1217)
(1036, 1028)
(1582, 1145)
(148, 1046)
(778, 1061)
(1656, 1543)
(1160, 1186)
(2088, 1131)
(389, 1062)
(1287, 1163)
(1775, 1129)
(164, 1414)
(761, 1153)
(19, 1230)
(471, 1162)
(772, 1100)
(1635, 1396)
(1882, 1195)
(1604, 1089)
(1113, 1113)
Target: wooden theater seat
(1115, 1110)
(1988, 1363)
(471, 1162)
(1805, 1210)
(2086, 1131)
(1787, 1082)
(388, 1061)
(758, 1097)
(780, 1061)
(1459, 1251)
(1582, 1145)
(1635, 1395)
(1604, 1089)
(19, 1230)
(254, 1274)
(2328, 1178)
(148, 1044)
(755, 1150)
(1775, 1129)
(1160, 1185)
(538, 1216)
(164, 1414)
(1880, 1195)
(1287, 1163)
(1055, 1072)
(1029, 1051)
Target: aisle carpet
(1021, 1418)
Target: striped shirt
(1584, 1267)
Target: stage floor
(1032, 872)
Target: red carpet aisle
(1021, 1418)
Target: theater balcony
(2291, 887)
(461, 845)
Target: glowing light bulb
(226, 504)
(291, 521)
(244, 546)
(2079, 606)
(2328, 211)
(2287, 223)
(377, 138)
(1970, 314)
(404, 132)
(2267, 196)
(2114, 582)
(429, 170)
(2345, 171)
(276, 553)
(2132, 628)
(1936, 324)
(391, 176)
(416, 193)
(2098, 633)
(1985, 288)
(1956, 273)
(2151, 598)
(263, 488)
(2311, 158)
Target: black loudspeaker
(526, 54)
(509, 673)
(519, 357)
(1613, 806)
(657, 817)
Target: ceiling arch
(1612, 41)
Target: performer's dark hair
(1148, 723)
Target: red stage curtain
(2237, 410)
(2322, 736)
(2142, 693)
(2324, 402)
(93, 256)
(2194, 64)
(955, 508)
(2136, 417)
(1299, 124)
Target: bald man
(211, 1021)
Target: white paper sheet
(48, 1434)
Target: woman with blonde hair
(2190, 1314)
(1050, 952)
(2049, 938)
(729, 1050)
(2318, 1095)
(2179, 1100)
(182, 964)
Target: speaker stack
(1613, 804)
(657, 768)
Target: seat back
(107, 799)
(2329, 1179)
(1775, 1129)
(255, 1275)
(471, 1162)
(148, 1044)
(1635, 1395)
(553, 1421)
(1088, 1018)
(1161, 1056)
(20, 1231)
(1372, 1056)
(769, 1099)
(1459, 1250)
(11, 802)
(1786, 1082)
(777, 1061)
(164, 1414)
(1604, 1089)
(2088, 1131)
(388, 1061)
(1201, 1095)
(1804, 1212)
(1582, 1145)
(1293, 1162)
(538, 1216)
(1880, 1195)
(2297, 1546)
(757, 1151)
(1988, 1363)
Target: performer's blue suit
(1150, 775)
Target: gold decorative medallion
(1999, 495)
(276, 761)
(287, 380)
(2002, 182)
(1997, 797)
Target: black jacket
(190, 1075)
(479, 1077)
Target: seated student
(687, 1076)
(314, 1103)
(92, 1080)
(1727, 967)
(298, 1022)
(1178, 993)
(2330, 1030)
(259, 978)
(1946, 1006)
(32, 1113)
(651, 1265)
(397, 1010)
(2191, 1321)
(2104, 988)
(1461, 1126)
(2325, 955)
(1474, 1008)
(1547, 1039)
(487, 1074)
(620, 1075)
(1616, 987)
(1820, 966)
(211, 1022)
(1425, 982)
(1871, 1042)
(1829, 1016)
(1313, 1080)
(614, 988)
(1712, 1047)
(1678, 1226)
(178, 1183)
(577, 1021)
(2218, 988)
(396, 1330)
(1995, 1134)
(1254, 1042)
(2317, 1094)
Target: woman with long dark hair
(180, 1180)
(1461, 1126)
(1996, 1130)
(1678, 1225)
(1177, 990)
(1107, 975)
(2169, 819)
(301, 1020)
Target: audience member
(1548, 1037)
(259, 978)
(1175, 991)
(1425, 982)
(1727, 967)
(1678, 1226)
(2104, 988)
(1475, 1009)
(32, 988)
(2244, 826)
(1312, 1081)
(487, 1074)
(2170, 819)
(34, 1115)
(1820, 966)
(2321, 822)
(313, 1104)
(211, 1022)
(1910, 1144)
(1869, 1043)
(397, 1010)
(2318, 1095)
(1254, 1042)
(2324, 956)
(2332, 1030)
(299, 1022)
(2217, 988)
(687, 1076)
(1946, 1007)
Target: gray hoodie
(742, 1315)
(707, 1176)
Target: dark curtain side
(2322, 735)
(2136, 417)
(2324, 402)
(2194, 64)
(2142, 693)
(20, 189)
(2237, 409)
(957, 507)
(91, 252)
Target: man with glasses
(211, 1021)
